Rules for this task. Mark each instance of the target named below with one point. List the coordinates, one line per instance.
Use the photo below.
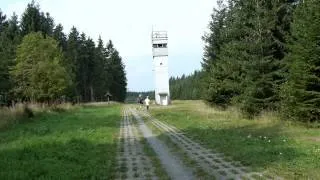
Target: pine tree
(117, 73)
(186, 87)
(4, 64)
(72, 64)
(87, 73)
(100, 72)
(59, 36)
(301, 94)
(264, 70)
(246, 51)
(92, 67)
(9, 40)
(224, 51)
(33, 20)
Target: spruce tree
(72, 64)
(117, 73)
(264, 70)
(225, 52)
(100, 72)
(4, 64)
(33, 20)
(9, 40)
(59, 36)
(301, 94)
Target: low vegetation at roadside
(26, 112)
(283, 148)
(77, 143)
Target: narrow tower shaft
(160, 65)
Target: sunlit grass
(283, 148)
(75, 144)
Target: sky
(128, 23)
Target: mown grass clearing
(76, 144)
(266, 143)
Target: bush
(27, 112)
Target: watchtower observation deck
(159, 43)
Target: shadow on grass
(74, 159)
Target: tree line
(260, 56)
(186, 87)
(40, 63)
(132, 96)
(264, 56)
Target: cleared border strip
(212, 162)
(173, 166)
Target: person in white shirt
(147, 102)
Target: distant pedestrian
(147, 102)
(140, 101)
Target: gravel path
(173, 166)
(215, 164)
(132, 162)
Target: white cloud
(129, 23)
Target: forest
(186, 87)
(260, 56)
(40, 63)
(132, 97)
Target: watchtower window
(159, 45)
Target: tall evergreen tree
(59, 36)
(186, 87)
(116, 69)
(90, 71)
(101, 80)
(92, 67)
(72, 64)
(9, 40)
(33, 20)
(4, 75)
(301, 94)
(246, 51)
(222, 59)
(266, 51)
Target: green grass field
(75, 144)
(286, 149)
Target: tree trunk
(91, 93)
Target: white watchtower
(160, 65)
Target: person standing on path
(140, 101)
(147, 102)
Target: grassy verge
(266, 143)
(75, 144)
(22, 113)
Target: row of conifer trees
(262, 55)
(39, 62)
